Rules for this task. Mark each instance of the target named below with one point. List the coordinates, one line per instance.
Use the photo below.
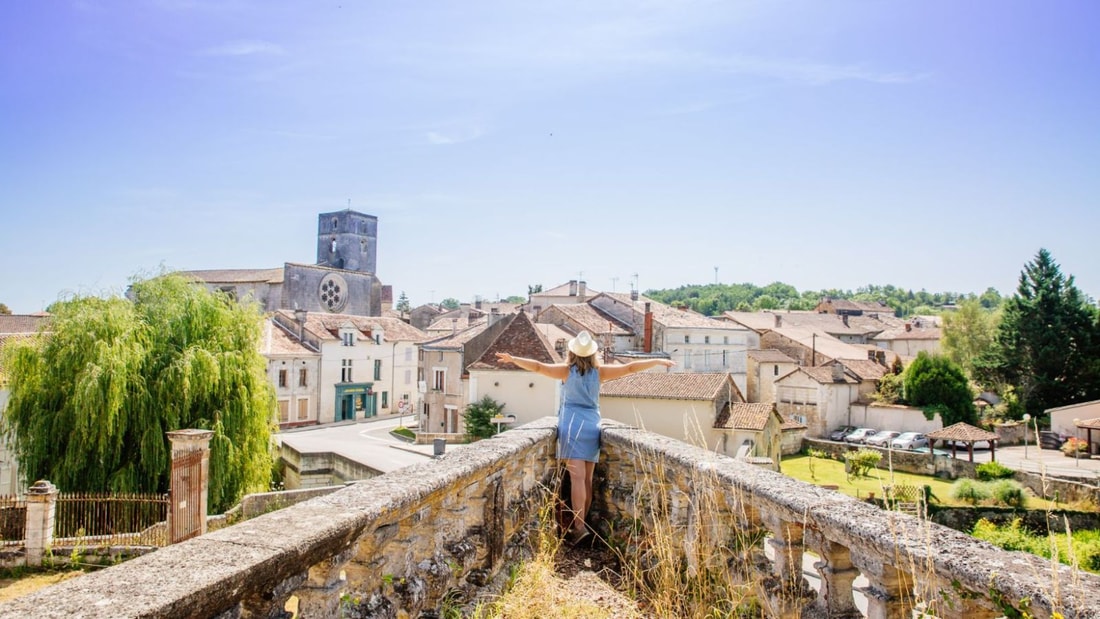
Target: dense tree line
(713, 299)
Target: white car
(882, 438)
(909, 440)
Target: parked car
(881, 438)
(964, 446)
(859, 435)
(841, 432)
(909, 440)
(1051, 440)
(938, 452)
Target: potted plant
(1075, 448)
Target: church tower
(347, 240)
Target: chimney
(778, 321)
(845, 319)
(572, 287)
(582, 290)
(838, 372)
(477, 302)
(454, 326)
(494, 316)
(648, 345)
(908, 326)
(633, 294)
(300, 318)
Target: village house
(764, 368)
(367, 363)
(756, 431)
(813, 348)
(819, 397)
(695, 342)
(910, 339)
(295, 369)
(569, 293)
(829, 305)
(611, 334)
(844, 327)
(1062, 419)
(683, 406)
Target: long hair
(583, 364)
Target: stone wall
(396, 545)
(391, 546)
(715, 507)
(320, 469)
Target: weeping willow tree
(91, 400)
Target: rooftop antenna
(715, 276)
(613, 280)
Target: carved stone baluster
(890, 590)
(837, 576)
(791, 591)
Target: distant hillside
(713, 299)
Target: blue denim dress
(579, 417)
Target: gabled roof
(747, 416)
(453, 341)
(562, 290)
(823, 374)
(236, 276)
(591, 319)
(671, 317)
(668, 386)
(521, 338)
(864, 369)
(326, 327)
(964, 432)
(927, 333)
(277, 342)
(1069, 406)
(770, 355)
(832, 324)
(790, 424)
(822, 343)
(22, 323)
(458, 319)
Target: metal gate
(186, 490)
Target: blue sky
(932, 144)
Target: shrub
(478, 416)
(1075, 444)
(1009, 492)
(970, 490)
(989, 471)
(862, 461)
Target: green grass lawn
(831, 472)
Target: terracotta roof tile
(236, 276)
(746, 416)
(592, 319)
(454, 341)
(824, 375)
(669, 386)
(672, 317)
(962, 432)
(22, 323)
(521, 338)
(865, 369)
(327, 326)
(1089, 423)
(770, 355)
(790, 424)
(928, 333)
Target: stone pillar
(837, 576)
(189, 484)
(788, 547)
(890, 590)
(41, 507)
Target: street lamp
(1027, 418)
(1076, 444)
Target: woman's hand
(504, 357)
(666, 362)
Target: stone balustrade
(401, 544)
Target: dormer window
(348, 337)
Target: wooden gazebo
(965, 433)
(1088, 425)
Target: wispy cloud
(455, 136)
(244, 48)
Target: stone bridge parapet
(397, 545)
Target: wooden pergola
(965, 433)
(1088, 425)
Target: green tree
(516, 300)
(403, 304)
(92, 399)
(449, 303)
(4, 309)
(477, 417)
(969, 334)
(936, 382)
(1048, 341)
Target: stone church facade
(343, 281)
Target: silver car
(859, 435)
(881, 439)
(909, 440)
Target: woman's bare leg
(579, 491)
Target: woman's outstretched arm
(611, 372)
(559, 371)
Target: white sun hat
(583, 345)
